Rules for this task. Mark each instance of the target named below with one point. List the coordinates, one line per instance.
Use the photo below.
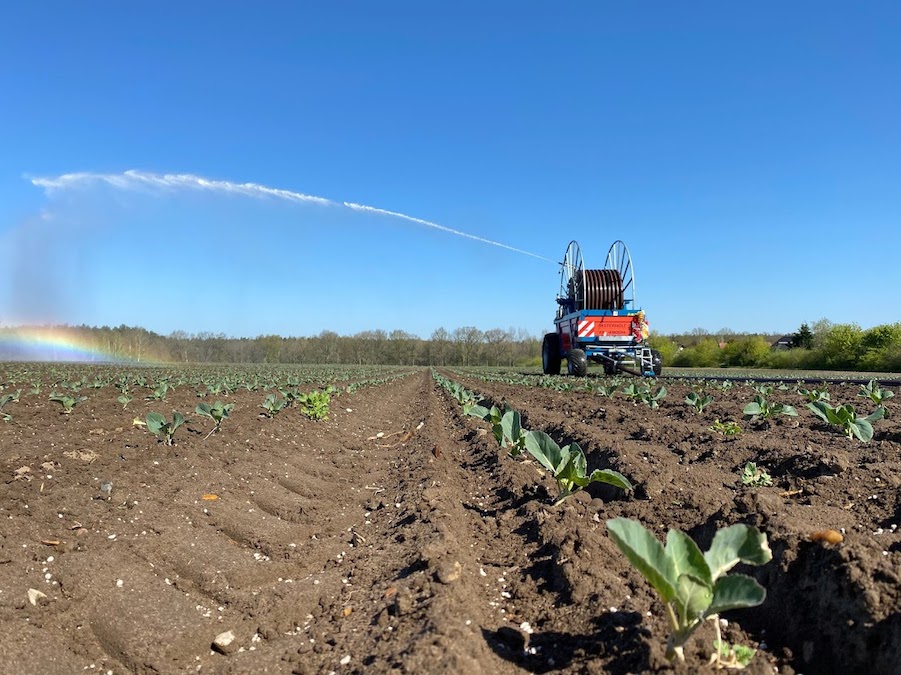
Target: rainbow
(69, 344)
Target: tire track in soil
(416, 552)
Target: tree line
(820, 346)
(465, 346)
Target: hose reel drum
(610, 288)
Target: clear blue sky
(749, 154)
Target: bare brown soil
(427, 549)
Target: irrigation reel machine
(597, 319)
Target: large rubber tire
(577, 363)
(550, 354)
(657, 361)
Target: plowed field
(398, 537)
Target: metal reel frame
(619, 259)
(572, 275)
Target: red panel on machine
(606, 326)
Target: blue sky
(748, 154)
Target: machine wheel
(657, 361)
(550, 354)
(577, 363)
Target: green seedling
(568, 465)
(314, 405)
(727, 428)
(652, 399)
(273, 405)
(67, 401)
(736, 656)
(815, 394)
(6, 398)
(217, 412)
(692, 585)
(765, 390)
(491, 415)
(632, 392)
(607, 390)
(506, 426)
(158, 426)
(875, 393)
(510, 434)
(845, 417)
(764, 409)
(159, 394)
(698, 402)
(755, 476)
(124, 398)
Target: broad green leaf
(818, 408)
(876, 415)
(693, 597)
(577, 462)
(155, 422)
(687, 557)
(738, 543)
(479, 411)
(494, 415)
(646, 553)
(498, 431)
(510, 423)
(734, 592)
(861, 428)
(543, 448)
(610, 477)
(203, 409)
(752, 408)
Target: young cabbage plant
(6, 398)
(698, 401)
(314, 405)
(845, 417)
(568, 465)
(159, 394)
(727, 428)
(510, 434)
(815, 394)
(217, 412)
(632, 391)
(607, 389)
(158, 426)
(693, 585)
(755, 476)
(736, 656)
(124, 398)
(762, 408)
(875, 393)
(67, 401)
(652, 399)
(273, 405)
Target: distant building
(785, 342)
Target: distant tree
(803, 339)
(497, 341)
(467, 340)
(841, 348)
